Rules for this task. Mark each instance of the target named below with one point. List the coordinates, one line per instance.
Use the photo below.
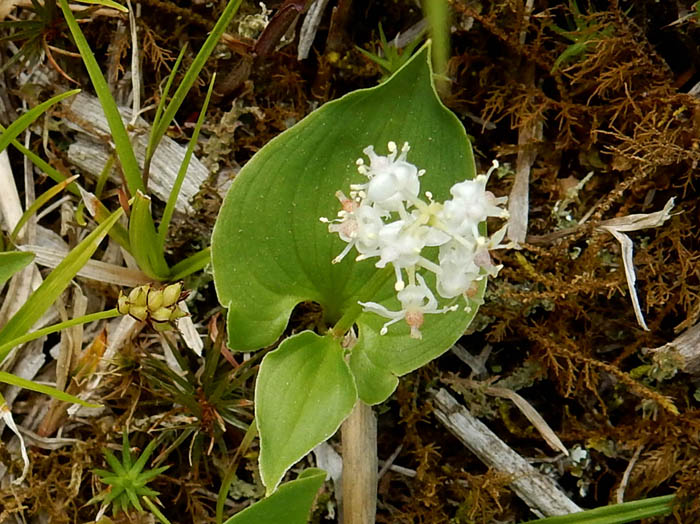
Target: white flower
(385, 219)
(357, 225)
(459, 270)
(416, 301)
(401, 244)
(471, 204)
(391, 180)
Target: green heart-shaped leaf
(303, 393)
(269, 250)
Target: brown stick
(359, 434)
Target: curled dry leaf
(615, 227)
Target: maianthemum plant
(400, 241)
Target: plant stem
(7, 347)
(359, 436)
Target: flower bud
(138, 312)
(171, 294)
(123, 304)
(158, 307)
(155, 299)
(137, 297)
(176, 314)
(161, 315)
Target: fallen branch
(535, 489)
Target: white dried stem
(519, 199)
(309, 28)
(93, 269)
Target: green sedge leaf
(616, 513)
(143, 239)
(24, 121)
(54, 284)
(122, 143)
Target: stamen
(343, 253)
(399, 285)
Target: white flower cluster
(386, 218)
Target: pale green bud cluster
(158, 307)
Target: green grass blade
(175, 191)
(100, 315)
(191, 264)
(130, 166)
(24, 121)
(615, 514)
(14, 380)
(100, 213)
(145, 454)
(55, 283)
(53, 173)
(11, 262)
(126, 451)
(43, 199)
(115, 464)
(104, 175)
(190, 77)
(39, 162)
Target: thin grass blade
(14, 380)
(11, 262)
(190, 77)
(617, 513)
(130, 166)
(39, 162)
(191, 264)
(163, 99)
(106, 3)
(24, 121)
(40, 201)
(100, 213)
(55, 283)
(172, 198)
